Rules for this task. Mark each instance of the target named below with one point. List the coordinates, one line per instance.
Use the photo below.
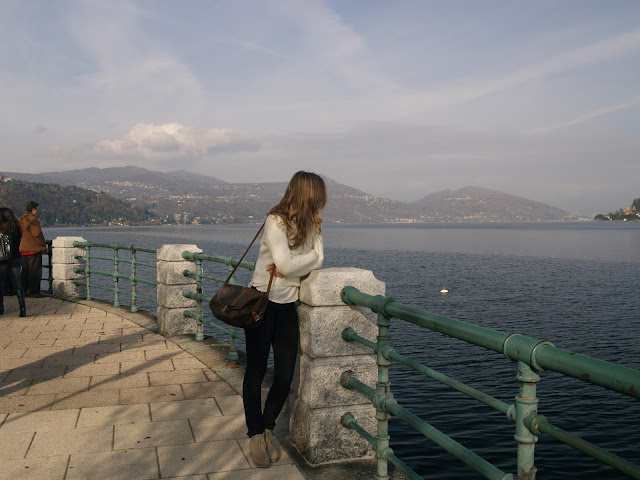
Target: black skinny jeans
(280, 329)
(10, 269)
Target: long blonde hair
(300, 207)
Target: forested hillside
(61, 206)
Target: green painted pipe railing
(199, 297)
(133, 277)
(531, 356)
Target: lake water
(575, 284)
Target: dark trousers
(280, 329)
(10, 270)
(31, 272)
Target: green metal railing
(531, 356)
(199, 297)
(133, 277)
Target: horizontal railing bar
(124, 276)
(233, 261)
(195, 296)
(121, 292)
(537, 354)
(150, 265)
(94, 257)
(137, 295)
(539, 424)
(350, 335)
(189, 274)
(102, 288)
(509, 410)
(402, 466)
(145, 250)
(104, 274)
(114, 246)
(127, 261)
(592, 370)
(350, 422)
(450, 445)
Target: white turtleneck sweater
(293, 264)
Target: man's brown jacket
(32, 236)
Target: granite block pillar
(171, 283)
(318, 401)
(66, 282)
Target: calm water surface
(575, 284)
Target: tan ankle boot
(272, 448)
(258, 450)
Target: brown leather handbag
(240, 306)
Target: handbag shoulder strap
(244, 254)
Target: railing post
(134, 297)
(318, 401)
(526, 404)
(87, 271)
(116, 272)
(233, 353)
(199, 324)
(63, 264)
(383, 392)
(171, 283)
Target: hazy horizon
(398, 99)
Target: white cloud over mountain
(168, 140)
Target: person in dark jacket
(31, 247)
(10, 229)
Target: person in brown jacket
(32, 245)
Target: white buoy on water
(444, 291)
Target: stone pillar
(321, 401)
(171, 283)
(64, 262)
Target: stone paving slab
(40, 421)
(51, 468)
(114, 415)
(137, 463)
(203, 407)
(205, 457)
(152, 434)
(47, 443)
(86, 393)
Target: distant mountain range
(185, 197)
(482, 204)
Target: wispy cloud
(568, 61)
(585, 117)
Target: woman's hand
(275, 269)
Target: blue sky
(400, 99)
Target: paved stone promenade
(88, 394)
